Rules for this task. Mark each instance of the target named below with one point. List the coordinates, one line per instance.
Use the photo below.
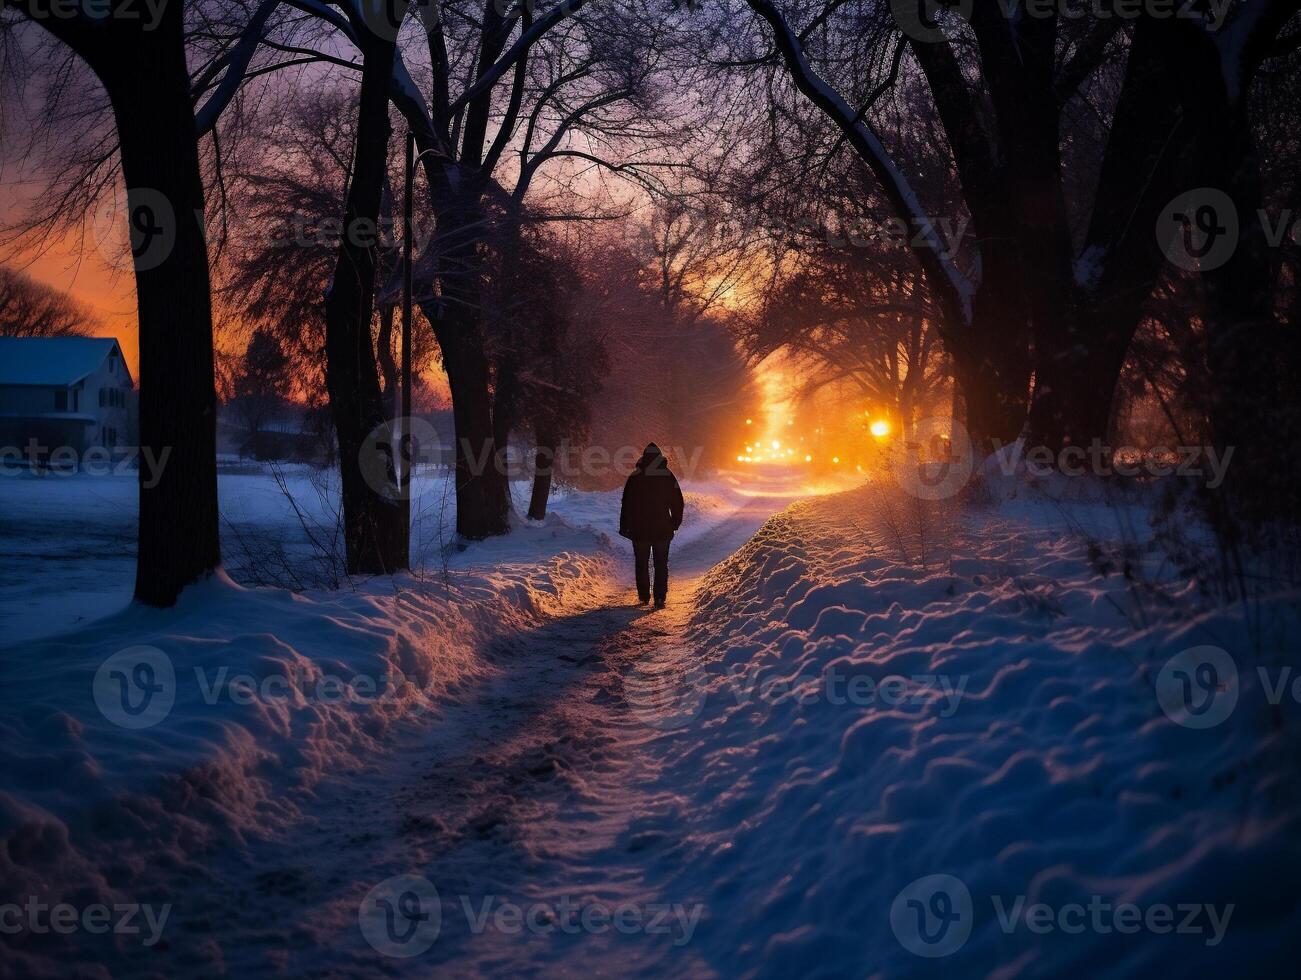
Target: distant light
(790, 421)
(808, 459)
(740, 459)
(880, 428)
(748, 421)
(835, 459)
(776, 444)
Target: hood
(652, 459)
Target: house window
(60, 401)
(76, 401)
(101, 397)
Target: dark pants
(641, 553)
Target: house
(73, 392)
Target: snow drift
(257, 693)
(903, 710)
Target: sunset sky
(76, 266)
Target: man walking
(651, 512)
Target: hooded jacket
(652, 500)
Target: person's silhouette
(651, 512)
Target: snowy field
(913, 731)
(869, 737)
(68, 541)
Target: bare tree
(843, 321)
(1073, 277)
(141, 65)
(569, 75)
(31, 309)
(504, 99)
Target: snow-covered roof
(54, 361)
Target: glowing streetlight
(880, 428)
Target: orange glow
(880, 428)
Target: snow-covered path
(527, 799)
(857, 706)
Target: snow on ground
(878, 738)
(887, 695)
(147, 736)
(67, 555)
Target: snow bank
(152, 735)
(893, 694)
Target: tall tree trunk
(482, 494)
(1085, 320)
(505, 402)
(994, 413)
(1255, 403)
(148, 85)
(544, 462)
(482, 489)
(374, 529)
(1075, 382)
(1255, 399)
(991, 356)
(387, 366)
